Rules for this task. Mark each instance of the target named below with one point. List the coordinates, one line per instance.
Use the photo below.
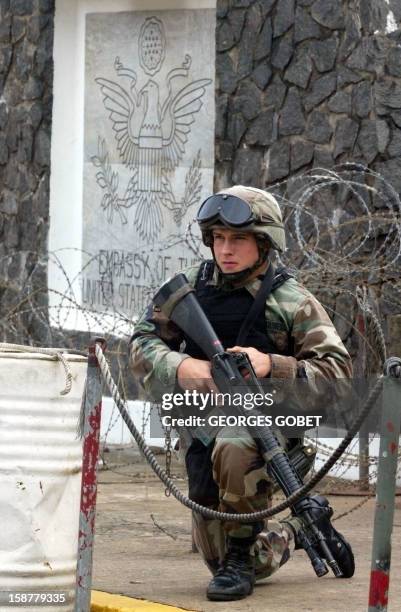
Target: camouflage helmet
(267, 222)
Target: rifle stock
(187, 314)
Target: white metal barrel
(40, 479)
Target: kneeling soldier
(292, 337)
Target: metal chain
(146, 419)
(365, 499)
(351, 458)
(167, 446)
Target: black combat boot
(236, 576)
(321, 513)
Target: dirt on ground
(143, 549)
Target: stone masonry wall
(26, 79)
(306, 83)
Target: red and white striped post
(87, 514)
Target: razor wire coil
(338, 250)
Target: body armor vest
(226, 311)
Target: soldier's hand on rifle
(195, 374)
(261, 362)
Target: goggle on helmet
(235, 213)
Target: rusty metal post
(92, 409)
(385, 487)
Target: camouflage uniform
(296, 324)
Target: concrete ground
(143, 550)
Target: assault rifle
(233, 372)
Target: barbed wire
(344, 243)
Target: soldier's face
(234, 250)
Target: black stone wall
(303, 83)
(306, 83)
(26, 79)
